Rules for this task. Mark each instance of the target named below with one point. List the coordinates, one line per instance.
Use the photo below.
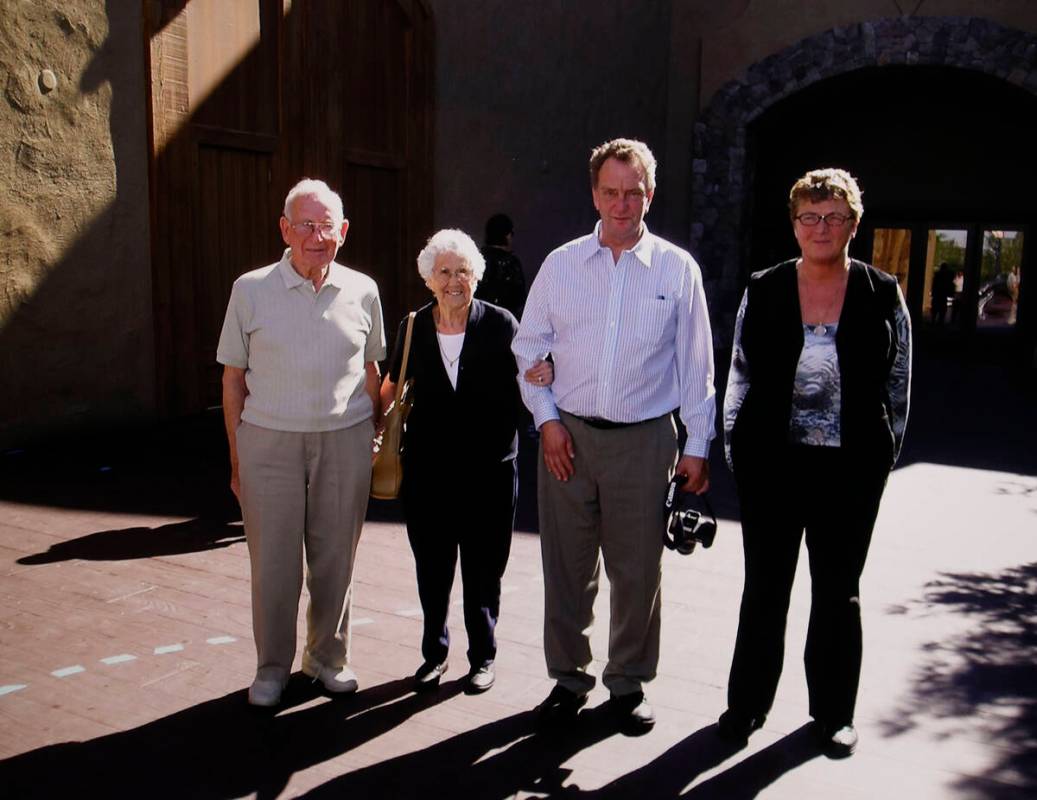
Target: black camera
(686, 525)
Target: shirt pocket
(656, 321)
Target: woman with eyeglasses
(459, 447)
(814, 418)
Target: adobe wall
(75, 274)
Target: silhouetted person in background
(942, 292)
(503, 283)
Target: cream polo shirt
(303, 352)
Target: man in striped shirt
(623, 315)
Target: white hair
(310, 187)
(451, 240)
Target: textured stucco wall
(524, 90)
(75, 274)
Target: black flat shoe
(736, 727)
(559, 708)
(428, 676)
(837, 741)
(635, 714)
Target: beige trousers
(302, 492)
(612, 506)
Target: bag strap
(406, 355)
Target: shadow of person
(222, 748)
(496, 760)
(193, 536)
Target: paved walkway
(125, 643)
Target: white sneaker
(338, 680)
(265, 693)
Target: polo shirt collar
(292, 279)
(642, 251)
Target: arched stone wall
(720, 168)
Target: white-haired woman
(460, 481)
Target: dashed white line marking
(409, 612)
(168, 648)
(131, 594)
(353, 623)
(64, 672)
(221, 640)
(119, 659)
(11, 687)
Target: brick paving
(110, 551)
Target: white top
(303, 352)
(631, 340)
(450, 345)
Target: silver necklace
(450, 361)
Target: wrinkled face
(312, 247)
(825, 242)
(452, 281)
(622, 200)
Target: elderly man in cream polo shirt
(300, 400)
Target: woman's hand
(542, 373)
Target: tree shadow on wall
(986, 680)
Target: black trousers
(833, 496)
(468, 510)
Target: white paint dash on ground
(409, 612)
(221, 640)
(131, 594)
(353, 623)
(12, 687)
(64, 672)
(119, 659)
(168, 648)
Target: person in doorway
(503, 283)
(623, 314)
(814, 419)
(300, 346)
(941, 293)
(459, 479)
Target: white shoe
(337, 680)
(265, 693)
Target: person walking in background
(503, 282)
(459, 479)
(814, 419)
(623, 313)
(300, 346)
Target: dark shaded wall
(524, 91)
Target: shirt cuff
(697, 447)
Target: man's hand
(697, 471)
(558, 449)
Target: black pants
(834, 496)
(468, 510)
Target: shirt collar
(293, 279)
(642, 251)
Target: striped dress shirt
(630, 340)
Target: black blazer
(772, 338)
(476, 423)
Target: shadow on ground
(983, 683)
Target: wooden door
(248, 96)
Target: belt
(605, 424)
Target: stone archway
(721, 179)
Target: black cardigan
(476, 423)
(772, 338)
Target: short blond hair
(629, 151)
(830, 183)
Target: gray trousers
(612, 506)
(302, 491)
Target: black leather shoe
(480, 680)
(560, 707)
(736, 727)
(633, 711)
(428, 675)
(837, 741)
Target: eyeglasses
(463, 274)
(834, 220)
(326, 229)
